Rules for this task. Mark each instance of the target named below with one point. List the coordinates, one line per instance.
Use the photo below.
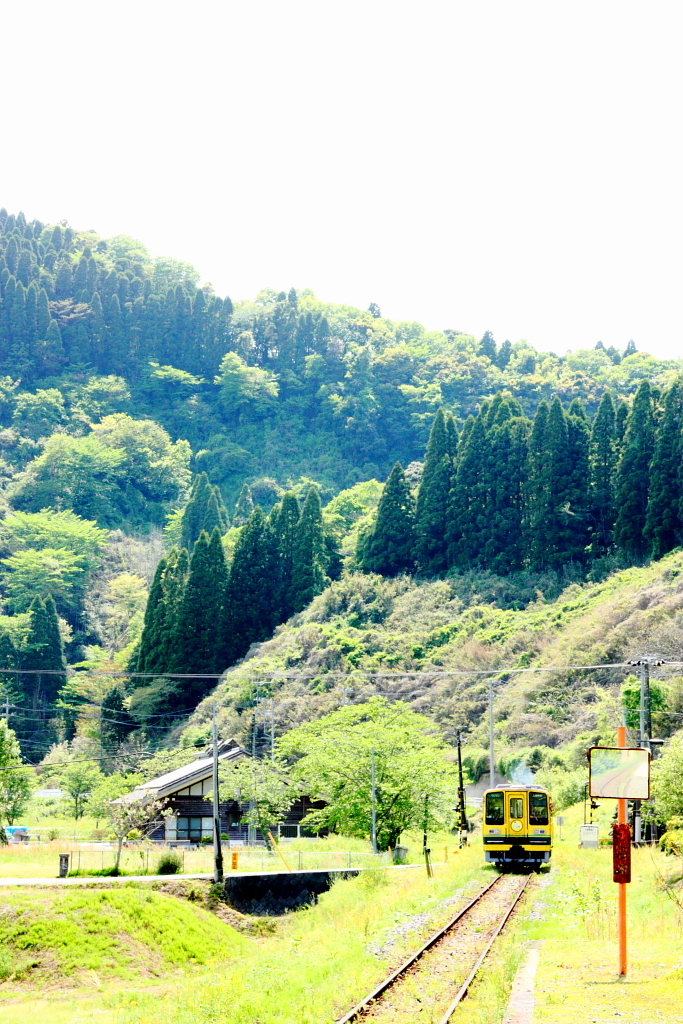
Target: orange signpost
(622, 774)
(617, 847)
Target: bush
(170, 863)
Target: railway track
(437, 977)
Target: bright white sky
(474, 165)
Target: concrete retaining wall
(280, 891)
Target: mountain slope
(364, 625)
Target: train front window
(495, 808)
(516, 807)
(538, 809)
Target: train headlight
(516, 826)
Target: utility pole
(425, 849)
(645, 728)
(272, 729)
(492, 771)
(374, 801)
(7, 711)
(251, 832)
(461, 796)
(217, 849)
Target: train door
(517, 814)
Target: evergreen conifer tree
(116, 721)
(308, 556)
(174, 582)
(620, 424)
(577, 497)
(244, 506)
(149, 640)
(284, 523)
(508, 443)
(535, 488)
(468, 498)
(664, 520)
(204, 511)
(603, 460)
(389, 549)
(431, 513)
(200, 637)
(250, 615)
(44, 651)
(632, 477)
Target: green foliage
(242, 385)
(37, 415)
(666, 774)
(266, 785)
(17, 785)
(170, 863)
(334, 764)
(54, 571)
(630, 699)
(79, 779)
(55, 529)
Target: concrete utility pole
(374, 801)
(251, 831)
(217, 848)
(644, 726)
(461, 796)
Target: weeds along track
(438, 975)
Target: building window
(192, 829)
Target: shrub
(170, 863)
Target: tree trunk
(118, 852)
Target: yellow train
(517, 826)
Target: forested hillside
(182, 474)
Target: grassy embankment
(321, 960)
(316, 964)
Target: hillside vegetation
(367, 635)
(187, 482)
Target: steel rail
(365, 1003)
(462, 992)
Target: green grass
(123, 933)
(322, 959)
(572, 913)
(319, 961)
